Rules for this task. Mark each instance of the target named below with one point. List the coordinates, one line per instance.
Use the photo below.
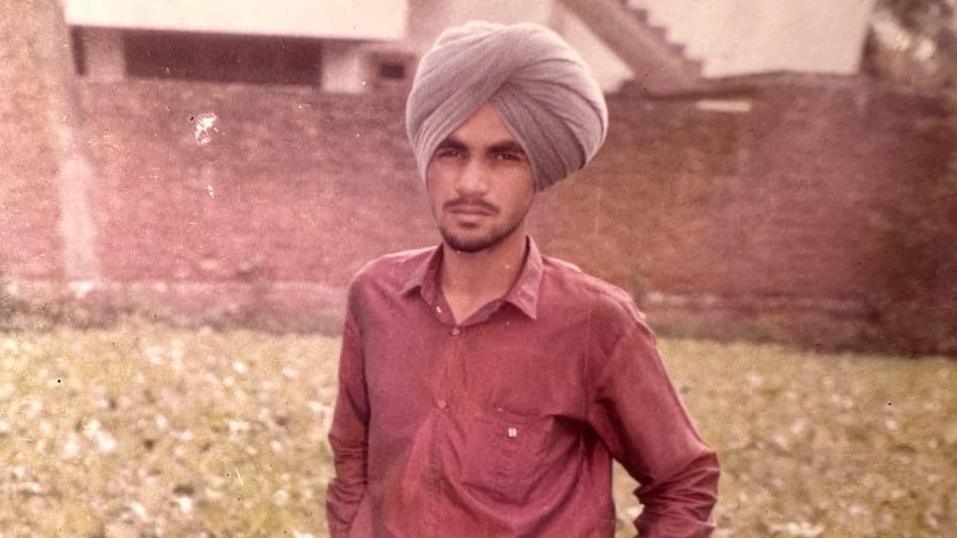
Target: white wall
(341, 19)
(736, 37)
(732, 37)
(427, 19)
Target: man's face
(479, 183)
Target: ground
(144, 430)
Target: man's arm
(348, 433)
(638, 414)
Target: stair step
(659, 66)
(659, 31)
(641, 14)
(696, 65)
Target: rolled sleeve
(641, 419)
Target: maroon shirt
(506, 424)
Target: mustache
(457, 203)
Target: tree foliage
(917, 306)
(919, 15)
(914, 42)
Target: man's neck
(472, 279)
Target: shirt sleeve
(641, 419)
(348, 434)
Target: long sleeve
(348, 434)
(641, 419)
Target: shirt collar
(523, 294)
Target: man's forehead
(484, 126)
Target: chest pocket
(504, 455)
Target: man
(485, 388)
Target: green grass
(172, 432)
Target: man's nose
(473, 179)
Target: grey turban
(538, 85)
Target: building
(359, 45)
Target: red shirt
(506, 424)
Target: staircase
(660, 67)
(739, 41)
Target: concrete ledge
(279, 306)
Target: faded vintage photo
(408, 268)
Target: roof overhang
(328, 19)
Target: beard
(471, 245)
(463, 242)
(471, 240)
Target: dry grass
(148, 431)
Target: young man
(485, 388)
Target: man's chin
(468, 244)
(469, 247)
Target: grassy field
(145, 430)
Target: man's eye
(448, 153)
(505, 156)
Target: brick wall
(777, 218)
(294, 185)
(781, 221)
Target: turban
(533, 79)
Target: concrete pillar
(104, 54)
(343, 67)
(76, 177)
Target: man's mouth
(471, 208)
(469, 211)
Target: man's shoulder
(579, 290)
(394, 268)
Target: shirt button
(456, 331)
(442, 404)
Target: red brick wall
(778, 216)
(787, 200)
(295, 186)
(783, 219)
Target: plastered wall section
(29, 242)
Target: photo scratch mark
(204, 125)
